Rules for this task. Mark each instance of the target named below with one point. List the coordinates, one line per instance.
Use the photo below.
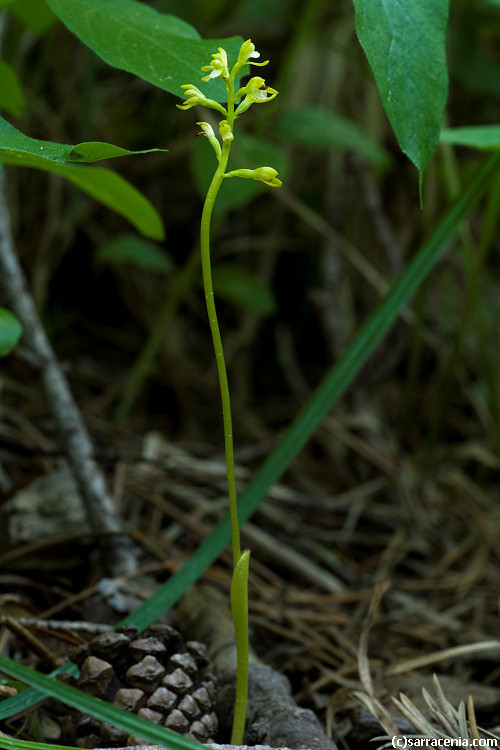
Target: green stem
(239, 609)
(219, 352)
(239, 585)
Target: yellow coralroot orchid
(255, 92)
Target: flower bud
(195, 96)
(263, 174)
(225, 131)
(208, 130)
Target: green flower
(218, 66)
(255, 92)
(195, 96)
(247, 51)
(264, 174)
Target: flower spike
(254, 92)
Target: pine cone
(154, 675)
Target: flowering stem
(239, 585)
(255, 91)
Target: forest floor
(371, 590)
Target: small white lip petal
(254, 54)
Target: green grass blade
(29, 697)
(13, 743)
(135, 725)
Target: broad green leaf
(237, 285)
(405, 46)
(12, 140)
(93, 151)
(11, 92)
(10, 331)
(36, 14)
(102, 184)
(247, 152)
(100, 709)
(485, 137)
(318, 128)
(158, 47)
(130, 248)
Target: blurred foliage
(10, 331)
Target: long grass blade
(31, 696)
(133, 724)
